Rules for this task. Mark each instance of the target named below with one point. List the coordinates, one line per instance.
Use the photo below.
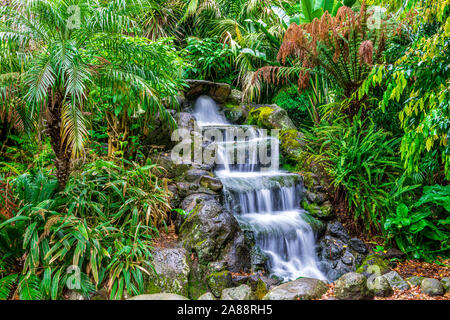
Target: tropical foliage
(87, 86)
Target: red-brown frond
(366, 52)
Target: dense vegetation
(84, 84)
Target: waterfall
(262, 198)
(206, 112)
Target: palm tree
(75, 45)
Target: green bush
(294, 103)
(362, 164)
(100, 227)
(422, 229)
(210, 60)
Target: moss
(261, 289)
(380, 265)
(152, 287)
(196, 282)
(317, 225)
(231, 106)
(308, 180)
(260, 117)
(310, 207)
(217, 281)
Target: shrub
(362, 165)
(422, 229)
(210, 60)
(100, 227)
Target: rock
(243, 292)
(380, 286)
(332, 248)
(336, 229)
(235, 96)
(194, 175)
(74, 295)
(171, 168)
(270, 117)
(358, 245)
(217, 266)
(396, 281)
(352, 286)
(317, 226)
(194, 200)
(238, 280)
(217, 281)
(373, 264)
(446, 283)
(211, 183)
(323, 212)
(159, 296)
(214, 234)
(207, 296)
(415, 281)
(101, 294)
(235, 113)
(348, 258)
(220, 92)
(432, 287)
(185, 120)
(316, 197)
(300, 289)
(261, 289)
(392, 253)
(172, 271)
(258, 259)
(175, 199)
(292, 142)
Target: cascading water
(206, 112)
(266, 200)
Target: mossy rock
(218, 281)
(324, 211)
(414, 280)
(292, 143)
(270, 117)
(318, 226)
(261, 290)
(374, 264)
(235, 113)
(171, 272)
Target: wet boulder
(446, 283)
(170, 168)
(358, 245)
(194, 175)
(337, 230)
(211, 183)
(213, 233)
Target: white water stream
(268, 201)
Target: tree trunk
(62, 151)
